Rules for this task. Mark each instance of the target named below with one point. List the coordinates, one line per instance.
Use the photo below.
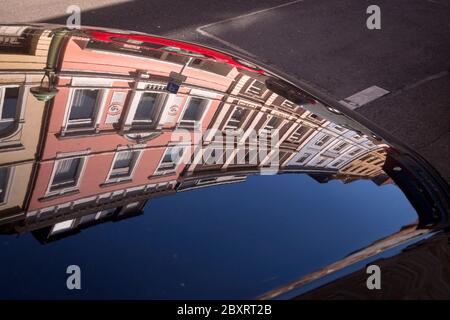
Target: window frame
(305, 156)
(232, 127)
(193, 124)
(2, 100)
(320, 142)
(132, 167)
(79, 175)
(169, 167)
(160, 102)
(84, 124)
(8, 184)
(263, 90)
(296, 137)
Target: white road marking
(202, 31)
(363, 97)
(426, 79)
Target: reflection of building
(369, 165)
(23, 55)
(118, 112)
(110, 132)
(113, 129)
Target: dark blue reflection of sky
(232, 241)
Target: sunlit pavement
(325, 43)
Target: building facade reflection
(23, 56)
(104, 145)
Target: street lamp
(46, 93)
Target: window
(298, 134)
(62, 226)
(4, 182)
(251, 157)
(256, 88)
(366, 157)
(340, 146)
(235, 120)
(146, 108)
(336, 163)
(88, 218)
(355, 151)
(288, 104)
(170, 160)
(83, 107)
(193, 112)
(124, 163)
(214, 154)
(378, 162)
(322, 140)
(66, 174)
(105, 213)
(273, 123)
(304, 157)
(9, 97)
(321, 160)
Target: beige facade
(369, 165)
(23, 47)
(22, 60)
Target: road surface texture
(323, 42)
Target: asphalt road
(325, 43)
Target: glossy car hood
(228, 178)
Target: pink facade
(118, 82)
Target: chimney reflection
(105, 144)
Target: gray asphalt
(325, 43)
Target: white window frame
(305, 156)
(98, 110)
(2, 97)
(296, 137)
(346, 146)
(266, 129)
(8, 185)
(263, 91)
(193, 124)
(80, 173)
(170, 167)
(134, 163)
(288, 104)
(69, 226)
(355, 151)
(327, 137)
(160, 103)
(321, 160)
(338, 163)
(232, 127)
